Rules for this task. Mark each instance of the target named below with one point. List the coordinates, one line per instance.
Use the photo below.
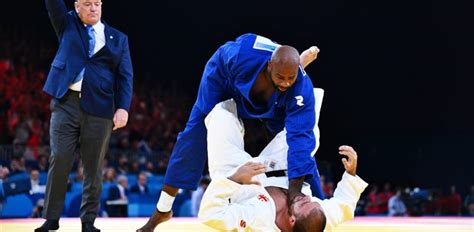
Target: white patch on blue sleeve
(262, 43)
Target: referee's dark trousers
(71, 126)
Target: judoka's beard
(275, 86)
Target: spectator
(408, 200)
(43, 164)
(373, 201)
(150, 168)
(452, 203)
(162, 164)
(417, 197)
(79, 175)
(17, 166)
(4, 173)
(13, 186)
(117, 201)
(35, 186)
(109, 175)
(384, 197)
(432, 205)
(141, 186)
(329, 191)
(38, 209)
(327, 186)
(469, 202)
(123, 165)
(3, 176)
(396, 206)
(361, 206)
(134, 168)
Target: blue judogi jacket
(231, 73)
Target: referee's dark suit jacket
(107, 83)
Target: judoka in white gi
(241, 197)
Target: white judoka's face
(302, 206)
(307, 214)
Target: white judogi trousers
(225, 140)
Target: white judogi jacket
(227, 205)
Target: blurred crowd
(415, 202)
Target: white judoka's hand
(246, 172)
(350, 164)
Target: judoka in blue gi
(267, 82)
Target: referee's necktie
(90, 32)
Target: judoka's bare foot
(308, 56)
(155, 219)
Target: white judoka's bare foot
(308, 56)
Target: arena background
(398, 75)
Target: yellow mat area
(362, 224)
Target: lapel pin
(111, 37)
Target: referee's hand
(120, 118)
